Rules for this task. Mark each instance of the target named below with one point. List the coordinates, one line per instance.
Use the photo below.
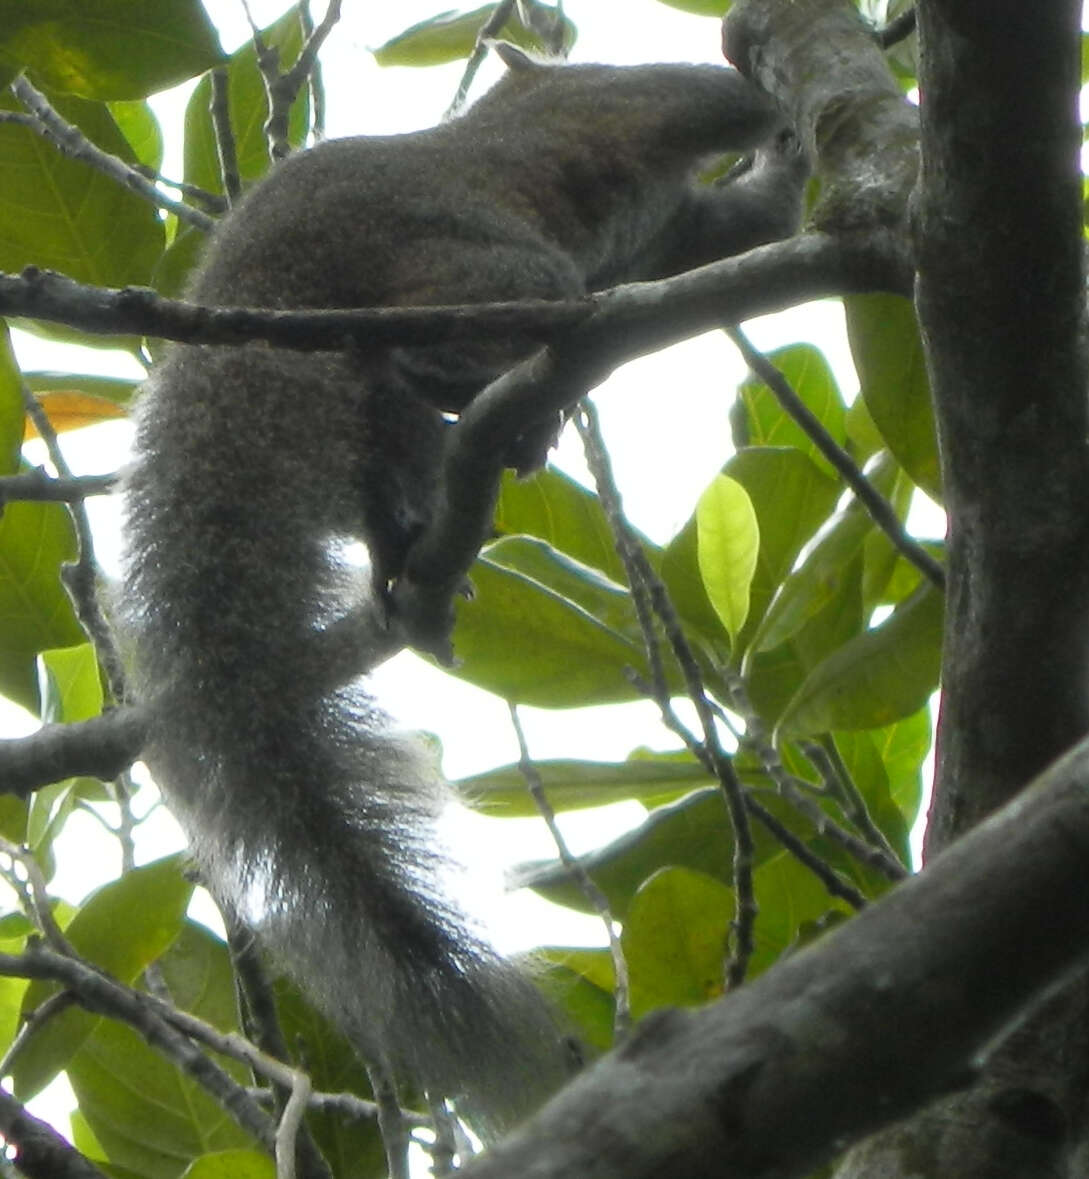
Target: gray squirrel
(308, 817)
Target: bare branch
(706, 1093)
(38, 486)
(40, 1152)
(102, 748)
(582, 878)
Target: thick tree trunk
(1000, 295)
(997, 238)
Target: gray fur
(305, 814)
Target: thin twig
(291, 1120)
(38, 896)
(156, 1022)
(81, 578)
(874, 851)
(879, 508)
(490, 28)
(70, 140)
(38, 486)
(825, 873)
(897, 30)
(219, 110)
(582, 878)
(640, 573)
(826, 760)
(391, 1122)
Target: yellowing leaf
(72, 411)
(728, 540)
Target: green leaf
(580, 984)
(569, 785)
(810, 587)
(35, 612)
(700, 7)
(693, 833)
(556, 508)
(810, 376)
(674, 939)
(58, 213)
(72, 690)
(12, 412)
(451, 36)
(728, 539)
(886, 767)
(232, 1164)
(352, 1147)
(775, 676)
(122, 928)
(248, 107)
(675, 934)
(883, 675)
(137, 122)
(863, 437)
(108, 49)
(888, 355)
(791, 499)
(146, 1114)
(561, 636)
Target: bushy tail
(307, 817)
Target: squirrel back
(310, 819)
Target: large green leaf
(145, 1114)
(35, 539)
(108, 49)
(792, 499)
(71, 691)
(774, 677)
(888, 355)
(812, 585)
(675, 935)
(554, 507)
(450, 36)
(542, 629)
(882, 675)
(811, 377)
(647, 777)
(137, 122)
(700, 7)
(35, 612)
(580, 984)
(58, 213)
(12, 412)
(122, 927)
(675, 939)
(142, 1111)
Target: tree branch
(626, 322)
(102, 748)
(951, 958)
(40, 1152)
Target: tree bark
(1000, 295)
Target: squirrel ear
(513, 57)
